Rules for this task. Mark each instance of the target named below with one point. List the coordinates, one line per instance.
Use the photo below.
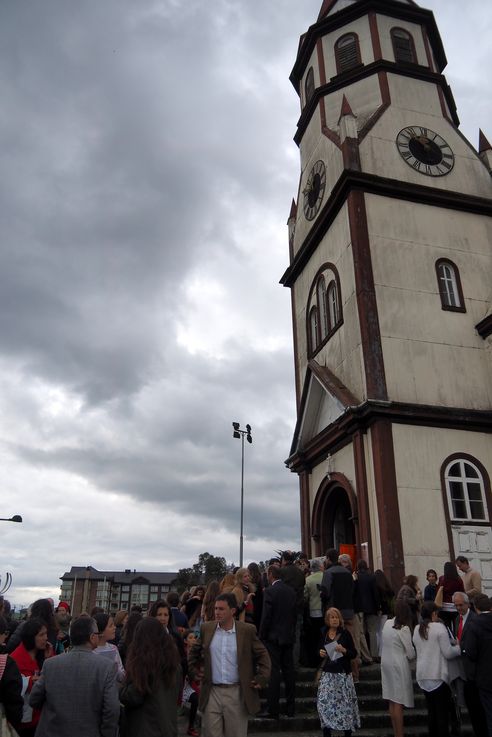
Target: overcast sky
(147, 173)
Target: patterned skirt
(337, 702)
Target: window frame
(483, 479)
(327, 273)
(336, 47)
(460, 307)
(309, 86)
(412, 46)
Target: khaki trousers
(225, 714)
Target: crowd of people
(213, 648)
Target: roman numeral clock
(425, 151)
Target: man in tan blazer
(235, 666)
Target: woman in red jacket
(30, 656)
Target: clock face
(425, 151)
(314, 190)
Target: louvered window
(347, 52)
(403, 46)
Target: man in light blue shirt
(235, 666)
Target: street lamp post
(15, 518)
(238, 433)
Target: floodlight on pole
(15, 518)
(238, 433)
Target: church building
(390, 241)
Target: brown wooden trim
(373, 184)
(372, 352)
(376, 43)
(321, 502)
(461, 307)
(488, 497)
(306, 543)
(412, 13)
(332, 384)
(296, 348)
(360, 418)
(386, 102)
(428, 52)
(484, 327)
(351, 154)
(321, 61)
(415, 71)
(442, 102)
(362, 495)
(383, 454)
(328, 132)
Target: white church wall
(429, 351)
(419, 454)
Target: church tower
(390, 240)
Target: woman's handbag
(439, 595)
(6, 729)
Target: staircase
(374, 716)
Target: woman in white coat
(434, 648)
(396, 677)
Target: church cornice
(373, 184)
(414, 14)
(358, 419)
(362, 71)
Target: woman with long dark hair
(128, 632)
(434, 649)
(153, 681)
(412, 595)
(387, 601)
(451, 582)
(30, 656)
(161, 611)
(41, 609)
(396, 677)
(255, 573)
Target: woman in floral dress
(337, 700)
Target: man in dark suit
(277, 631)
(235, 666)
(470, 645)
(77, 690)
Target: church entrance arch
(334, 515)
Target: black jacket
(478, 649)
(337, 589)
(10, 692)
(294, 577)
(278, 620)
(341, 665)
(367, 598)
(470, 668)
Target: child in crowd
(430, 590)
(191, 688)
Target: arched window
(403, 46)
(313, 329)
(332, 299)
(309, 85)
(347, 52)
(465, 491)
(449, 284)
(324, 312)
(323, 317)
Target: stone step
(367, 702)
(375, 719)
(383, 731)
